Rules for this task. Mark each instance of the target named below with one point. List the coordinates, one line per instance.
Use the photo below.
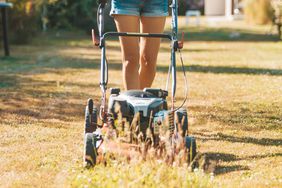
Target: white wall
(215, 7)
(228, 8)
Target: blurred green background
(29, 17)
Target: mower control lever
(181, 43)
(95, 40)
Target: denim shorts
(150, 8)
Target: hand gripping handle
(95, 40)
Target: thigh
(125, 23)
(150, 46)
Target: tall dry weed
(258, 11)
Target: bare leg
(130, 50)
(149, 48)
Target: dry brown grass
(234, 106)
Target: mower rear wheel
(190, 143)
(182, 120)
(91, 117)
(90, 151)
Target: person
(139, 54)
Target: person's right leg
(130, 50)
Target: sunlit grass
(141, 174)
(234, 110)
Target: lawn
(235, 110)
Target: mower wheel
(182, 120)
(91, 117)
(90, 151)
(190, 143)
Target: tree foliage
(72, 13)
(27, 17)
(22, 21)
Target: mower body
(150, 105)
(130, 102)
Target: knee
(131, 61)
(148, 63)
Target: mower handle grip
(102, 2)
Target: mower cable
(168, 77)
(107, 71)
(185, 80)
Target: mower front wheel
(91, 117)
(90, 151)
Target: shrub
(72, 13)
(26, 17)
(258, 11)
(22, 20)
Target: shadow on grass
(47, 110)
(244, 116)
(262, 156)
(11, 59)
(7, 81)
(77, 63)
(262, 117)
(225, 34)
(234, 139)
(39, 101)
(53, 64)
(213, 161)
(201, 33)
(219, 170)
(43, 101)
(226, 157)
(226, 70)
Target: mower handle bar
(151, 35)
(101, 42)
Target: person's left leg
(149, 48)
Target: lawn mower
(140, 118)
